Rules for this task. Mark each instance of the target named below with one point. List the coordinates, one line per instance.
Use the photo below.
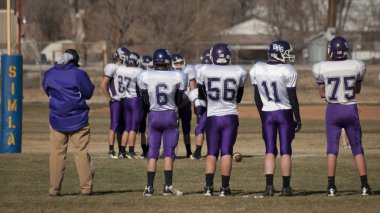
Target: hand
(297, 126)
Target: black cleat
(148, 191)
(112, 154)
(225, 191)
(269, 191)
(208, 190)
(366, 190)
(331, 191)
(171, 190)
(287, 191)
(122, 155)
(196, 155)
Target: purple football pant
(201, 126)
(340, 116)
(221, 133)
(133, 113)
(278, 121)
(117, 120)
(185, 116)
(162, 124)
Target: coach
(68, 87)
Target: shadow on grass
(100, 193)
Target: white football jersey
(161, 87)
(339, 78)
(126, 78)
(222, 83)
(110, 71)
(272, 80)
(189, 70)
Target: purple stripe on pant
(162, 124)
(221, 133)
(278, 121)
(340, 116)
(185, 116)
(201, 126)
(133, 113)
(117, 120)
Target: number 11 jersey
(272, 81)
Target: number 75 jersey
(161, 87)
(222, 83)
(339, 78)
(272, 81)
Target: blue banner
(11, 103)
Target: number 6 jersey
(272, 80)
(222, 84)
(339, 78)
(161, 87)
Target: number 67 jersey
(222, 84)
(339, 78)
(161, 87)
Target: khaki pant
(59, 141)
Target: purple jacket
(67, 87)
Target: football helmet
(122, 54)
(133, 59)
(338, 48)
(206, 60)
(162, 57)
(206, 53)
(146, 62)
(280, 51)
(220, 54)
(178, 62)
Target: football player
(132, 104)
(222, 85)
(162, 90)
(146, 64)
(339, 80)
(275, 95)
(200, 112)
(184, 110)
(109, 87)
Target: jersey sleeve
(252, 75)
(361, 71)
(243, 77)
(183, 82)
(140, 81)
(317, 74)
(291, 77)
(110, 70)
(190, 71)
(200, 76)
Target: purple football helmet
(133, 59)
(220, 54)
(146, 62)
(122, 54)
(178, 62)
(206, 53)
(162, 57)
(280, 51)
(338, 48)
(206, 60)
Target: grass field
(118, 184)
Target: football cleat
(122, 155)
(171, 190)
(112, 154)
(208, 190)
(365, 191)
(331, 191)
(269, 191)
(225, 191)
(133, 155)
(148, 191)
(287, 191)
(196, 155)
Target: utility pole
(331, 22)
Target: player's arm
(321, 89)
(358, 87)
(293, 100)
(258, 101)
(239, 95)
(104, 87)
(145, 97)
(178, 97)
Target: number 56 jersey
(222, 83)
(161, 87)
(272, 81)
(339, 78)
